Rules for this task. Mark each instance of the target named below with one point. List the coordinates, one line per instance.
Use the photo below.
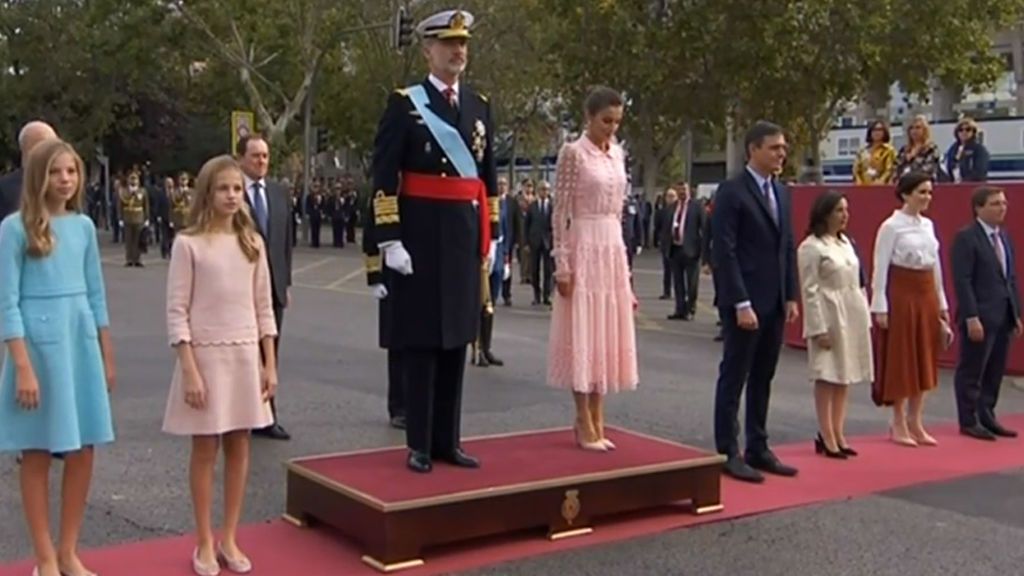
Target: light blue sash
(446, 135)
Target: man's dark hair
(243, 142)
(981, 195)
(758, 132)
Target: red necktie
(449, 95)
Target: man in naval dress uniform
(435, 212)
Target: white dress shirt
(441, 86)
(989, 231)
(249, 194)
(905, 241)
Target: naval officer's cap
(445, 25)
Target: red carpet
(280, 550)
(508, 460)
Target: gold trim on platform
(491, 492)
(699, 511)
(388, 568)
(293, 520)
(569, 534)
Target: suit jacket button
(444, 160)
(443, 174)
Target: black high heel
(847, 450)
(820, 448)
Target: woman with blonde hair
(876, 162)
(920, 153)
(220, 319)
(59, 369)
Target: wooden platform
(532, 480)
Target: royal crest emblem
(571, 506)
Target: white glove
(491, 254)
(146, 224)
(397, 258)
(639, 250)
(120, 223)
(379, 291)
(507, 272)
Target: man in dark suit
(435, 221)
(988, 310)
(272, 211)
(754, 253)
(632, 228)
(539, 237)
(512, 243)
(30, 135)
(663, 239)
(685, 236)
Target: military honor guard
(135, 217)
(181, 202)
(435, 211)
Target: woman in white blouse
(909, 307)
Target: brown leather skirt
(906, 355)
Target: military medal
(479, 140)
(426, 148)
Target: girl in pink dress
(592, 347)
(221, 323)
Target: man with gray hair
(30, 135)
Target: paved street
(332, 399)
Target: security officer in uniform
(135, 216)
(181, 204)
(379, 277)
(435, 221)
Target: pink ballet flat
(202, 569)
(236, 565)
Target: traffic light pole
(307, 163)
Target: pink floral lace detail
(592, 346)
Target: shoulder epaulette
(482, 97)
(402, 91)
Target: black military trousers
(396, 391)
(432, 380)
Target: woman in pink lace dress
(592, 348)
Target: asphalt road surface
(332, 399)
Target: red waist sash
(452, 189)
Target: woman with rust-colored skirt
(910, 311)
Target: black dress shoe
(997, 429)
(398, 422)
(768, 462)
(273, 432)
(738, 469)
(459, 458)
(492, 359)
(676, 317)
(419, 462)
(977, 431)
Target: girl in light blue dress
(59, 367)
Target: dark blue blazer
(981, 289)
(754, 256)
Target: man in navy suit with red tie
(988, 311)
(757, 293)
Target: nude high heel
(202, 569)
(237, 565)
(595, 446)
